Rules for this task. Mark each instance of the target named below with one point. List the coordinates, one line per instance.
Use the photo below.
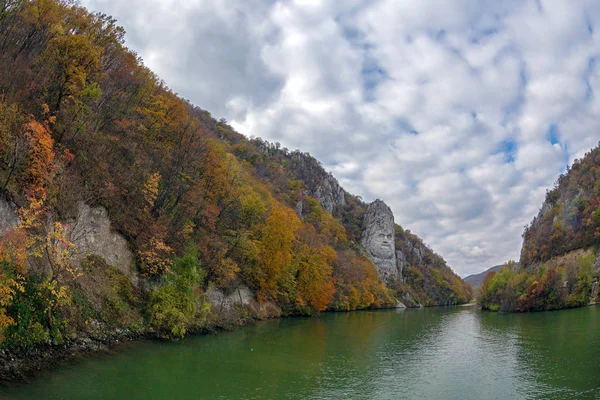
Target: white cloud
(440, 108)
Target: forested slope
(559, 266)
(124, 206)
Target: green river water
(436, 353)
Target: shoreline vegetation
(568, 281)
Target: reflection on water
(451, 353)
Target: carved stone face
(381, 245)
(378, 238)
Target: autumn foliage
(566, 282)
(570, 217)
(83, 120)
(557, 266)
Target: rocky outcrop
(409, 301)
(594, 296)
(92, 233)
(240, 297)
(228, 309)
(378, 239)
(410, 252)
(400, 262)
(9, 218)
(330, 194)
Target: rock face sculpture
(378, 239)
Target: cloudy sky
(459, 114)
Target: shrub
(178, 304)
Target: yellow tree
(275, 256)
(315, 287)
(12, 269)
(74, 59)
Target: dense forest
(83, 123)
(558, 266)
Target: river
(434, 353)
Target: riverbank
(438, 352)
(22, 368)
(16, 369)
(590, 304)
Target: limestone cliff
(90, 231)
(330, 194)
(317, 182)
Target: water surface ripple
(438, 353)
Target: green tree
(179, 304)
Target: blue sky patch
(509, 148)
(589, 92)
(552, 134)
(372, 75)
(405, 126)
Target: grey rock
(242, 296)
(378, 239)
(9, 218)
(330, 194)
(594, 295)
(416, 252)
(299, 207)
(240, 303)
(408, 299)
(92, 233)
(400, 262)
(400, 304)
(546, 209)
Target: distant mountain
(476, 280)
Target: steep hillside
(559, 264)
(570, 216)
(425, 276)
(124, 206)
